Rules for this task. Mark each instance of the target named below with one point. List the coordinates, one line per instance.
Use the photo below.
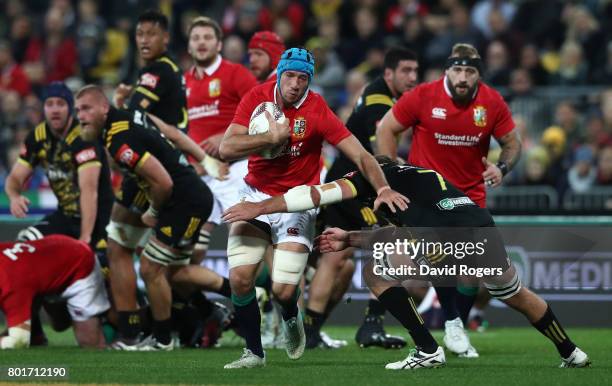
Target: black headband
(465, 61)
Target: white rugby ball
(259, 124)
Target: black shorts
(132, 196)
(179, 222)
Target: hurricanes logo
(480, 116)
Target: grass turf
(516, 356)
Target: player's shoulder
(73, 138)
(430, 88)
(489, 93)
(263, 90)
(40, 133)
(233, 67)
(164, 64)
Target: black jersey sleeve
(375, 107)
(29, 154)
(362, 188)
(153, 83)
(87, 153)
(127, 150)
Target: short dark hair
(204, 21)
(396, 54)
(154, 16)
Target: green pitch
(508, 357)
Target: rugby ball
(259, 124)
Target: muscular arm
(367, 164)
(89, 175)
(511, 148)
(159, 181)
(13, 187)
(237, 143)
(301, 197)
(386, 134)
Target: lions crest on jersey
(299, 127)
(214, 88)
(480, 116)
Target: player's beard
(205, 62)
(458, 98)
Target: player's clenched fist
(279, 131)
(332, 240)
(122, 92)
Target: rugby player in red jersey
(54, 265)
(453, 120)
(265, 50)
(309, 121)
(215, 86)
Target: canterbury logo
(438, 112)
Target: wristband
(379, 191)
(503, 167)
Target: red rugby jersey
(452, 139)
(212, 99)
(32, 268)
(311, 122)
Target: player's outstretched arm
(14, 183)
(386, 134)
(297, 199)
(212, 166)
(237, 143)
(369, 167)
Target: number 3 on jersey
(11, 253)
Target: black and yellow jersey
(62, 159)
(434, 202)
(131, 138)
(160, 90)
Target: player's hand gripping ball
(259, 124)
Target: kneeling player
(426, 189)
(54, 265)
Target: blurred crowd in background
(550, 59)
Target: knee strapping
(125, 235)
(506, 290)
(288, 266)
(245, 250)
(30, 233)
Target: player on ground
(401, 75)
(179, 201)
(453, 120)
(311, 121)
(429, 194)
(54, 265)
(265, 50)
(79, 176)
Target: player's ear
(219, 46)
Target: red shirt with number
(40, 267)
(212, 98)
(452, 139)
(311, 122)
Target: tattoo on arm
(511, 149)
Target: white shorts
(296, 227)
(225, 193)
(87, 297)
